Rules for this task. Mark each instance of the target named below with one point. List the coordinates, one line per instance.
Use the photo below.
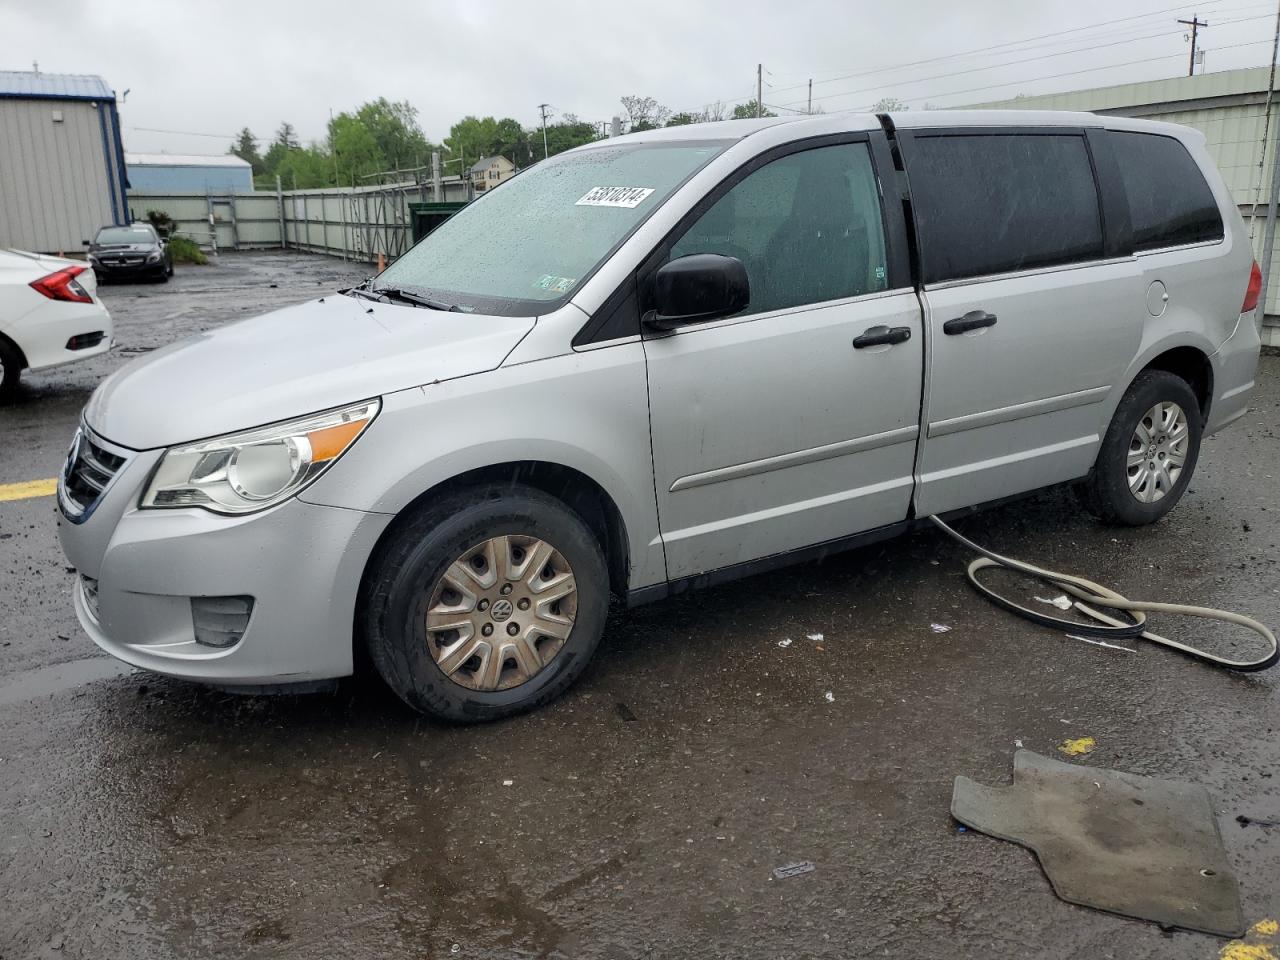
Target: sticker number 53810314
(629, 197)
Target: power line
(1011, 63)
(1009, 43)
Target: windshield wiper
(417, 299)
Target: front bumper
(122, 269)
(301, 564)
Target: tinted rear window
(995, 203)
(1169, 202)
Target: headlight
(153, 257)
(255, 469)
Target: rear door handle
(880, 335)
(973, 320)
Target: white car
(50, 314)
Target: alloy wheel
(1158, 452)
(501, 612)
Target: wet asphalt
(642, 814)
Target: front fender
(587, 411)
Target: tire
(1107, 492)
(10, 370)
(406, 580)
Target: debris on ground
(1062, 601)
(784, 642)
(1078, 746)
(1099, 643)
(793, 869)
(829, 697)
(939, 628)
(507, 783)
(815, 637)
(1257, 821)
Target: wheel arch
(1191, 364)
(575, 489)
(13, 344)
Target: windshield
(535, 238)
(125, 235)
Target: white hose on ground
(1090, 595)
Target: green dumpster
(425, 217)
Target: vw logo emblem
(502, 610)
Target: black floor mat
(1132, 845)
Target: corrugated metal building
(62, 172)
(1230, 109)
(175, 173)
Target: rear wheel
(10, 370)
(1149, 453)
(485, 604)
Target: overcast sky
(212, 68)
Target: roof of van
(906, 120)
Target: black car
(132, 251)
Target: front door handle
(879, 335)
(973, 320)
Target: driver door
(775, 429)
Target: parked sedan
(132, 251)
(50, 314)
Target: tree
(684, 118)
(354, 149)
(246, 148)
(644, 113)
(287, 137)
(890, 105)
(474, 137)
(394, 127)
(745, 111)
(568, 133)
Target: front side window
(996, 203)
(807, 226)
(1170, 203)
(518, 249)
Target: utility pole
(1269, 236)
(543, 108)
(809, 109)
(1195, 23)
(759, 90)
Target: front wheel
(1149, 453)
(485, 604)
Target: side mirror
(699, 287)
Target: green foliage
(683, 119)
(747, 110)
(644, 113)
(163, 223)
(246, 148)
(474, 137)
(570, 132)
(184, 250)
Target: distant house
(182, 173)
(61, 161)
(491, 171)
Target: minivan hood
(292, 362)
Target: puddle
(60, 677)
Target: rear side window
(807, 226)
(996, 203)
(1169, 201)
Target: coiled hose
(1090, 595)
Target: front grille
(88, 471)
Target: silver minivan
(659, 362)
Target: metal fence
(353, 223)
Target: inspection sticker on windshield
(629, 197)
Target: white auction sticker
(629, 197)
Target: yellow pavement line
(28, 489)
